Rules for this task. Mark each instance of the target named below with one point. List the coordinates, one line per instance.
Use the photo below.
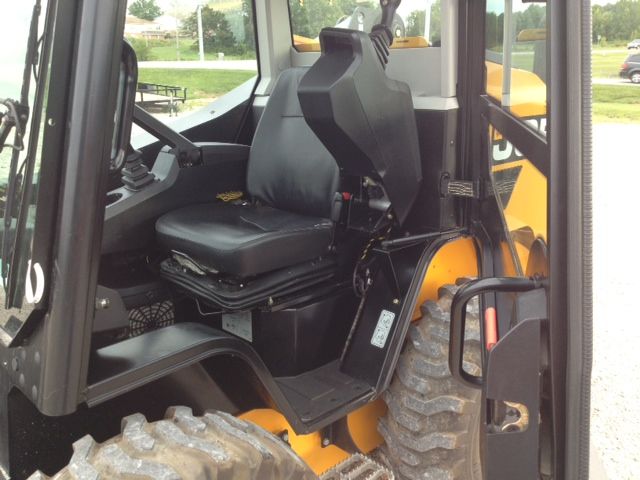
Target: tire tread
(184, 447)
(427, 429)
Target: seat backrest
(289, 168)
(364, 118)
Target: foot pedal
(358, 467)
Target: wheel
(635, 77)
(431, 429)
(183, 447)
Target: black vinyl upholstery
(289, 168)
(244, 239)
(292, 178)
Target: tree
(145, 9)
(435, 24)
(308, 17)
(617, 22)
(249, 30)
(142, 49)
(216, 32)
(533, 17)
(494, 31)
(415, 23)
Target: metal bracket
(513, 378)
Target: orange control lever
(490, 327)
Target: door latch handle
(459, 311)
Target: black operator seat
(291, 179)
(364, 118)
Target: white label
(238, 323)
(30, 295)
(383, 327)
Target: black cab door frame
(564, 156)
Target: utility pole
(200, 34)
(175, 13)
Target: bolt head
(102, 303)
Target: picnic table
(154, 94)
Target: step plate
(358, 467)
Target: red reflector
(490, 327)
(346, 196)
(625, 66)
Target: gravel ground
(615, 417)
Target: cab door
(524, 86)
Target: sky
(16, 18)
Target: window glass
(20, 167)
(417, 22)
(190, 53)
(520, 189)
(516, 46)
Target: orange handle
(490, 327)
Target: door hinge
(478, 189)
(459, 188)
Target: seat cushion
(244, 240)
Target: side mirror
(127, 85)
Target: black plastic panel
(364, 118)
(365, 355)
(121, 367)
(135, 362)
(437, 132)
(316, 394)
(298, 339)
(514, 375)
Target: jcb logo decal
(504, 151)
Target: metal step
(358, 467)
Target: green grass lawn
(616, 103)
(606, 64)
(200, 83)
(167, 50)
(613, 103)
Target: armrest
(213, 152)
(130, 218)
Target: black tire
(431, 429)
(635, 77)
(184, 447)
